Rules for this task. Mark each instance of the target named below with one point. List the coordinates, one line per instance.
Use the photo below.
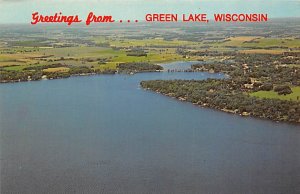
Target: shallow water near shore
(104, 134)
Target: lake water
(104, 134)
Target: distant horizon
(19, 11)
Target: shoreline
(37, 74)
(78, 75)
(207, 105)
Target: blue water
(180, 65)
(104, 134)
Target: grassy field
(270, 42)
(83, 56)
(56, 69)
(259, 42)
(262, 51)
(16, 68)
(295, 96)
(238, 41)
(158, 51)
(120, 42)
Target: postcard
(149, 96)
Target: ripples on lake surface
(103, 134)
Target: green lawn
(15, 68)
(271, 94)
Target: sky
(19, 11)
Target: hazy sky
(19, 11)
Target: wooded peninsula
(249, 76)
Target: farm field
(82, 56)
(102, 50)
(106, 48)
